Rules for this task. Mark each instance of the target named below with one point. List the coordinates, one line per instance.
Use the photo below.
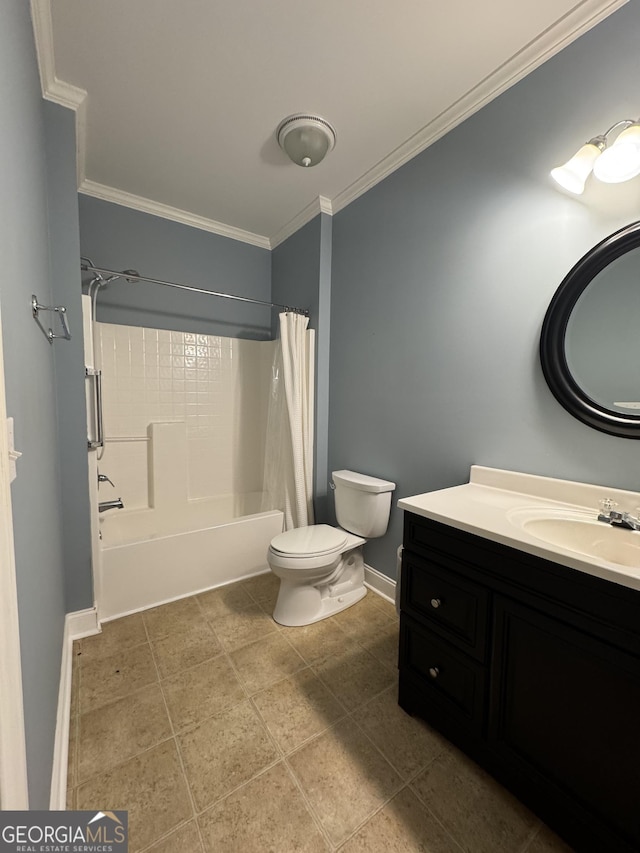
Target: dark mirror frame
(552, 338)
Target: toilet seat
(317, 540)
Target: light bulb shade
(621, 161)
(306, 138)
(574, 173)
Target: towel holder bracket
(60, 310)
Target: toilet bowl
(321, 568)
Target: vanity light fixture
(306, 138)
(610, 162)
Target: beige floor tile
(151, 787)
(71, 799)
(71, 755)
(186, 839)
(547, 842)
(115, 636)
(407, 742)
(297, 708)
(364, 621)
(109, 678)
(354, 676)
(237, 629)
(264, 590)
(115, 732)
(188, 647)
(175, 616)
(266, 814)
(402, 826)
(224, 751)
(383, 645)
(200, 692)
(387, 607)
(481, 815)
(266, 661)
(344, 777)
(317, 641)
(224, 600)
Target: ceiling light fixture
(306, 138)
(611, 162)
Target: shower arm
(133, 276)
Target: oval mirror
(590, 340)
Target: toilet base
(301, 604)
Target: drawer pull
(434, 672)
(436, 602)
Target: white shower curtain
(288, 479)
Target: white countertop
(487, 504)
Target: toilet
(321, 568)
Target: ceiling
(178, 101)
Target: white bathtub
(149, 558)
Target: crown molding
(574, 24)
(55, 90)
(579, 20)
(321, 204)
(165, 211)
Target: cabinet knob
(435, 603)
(434, 672)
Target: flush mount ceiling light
(611, 162)
(306, 138)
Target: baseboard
(80, 624)
(377, 582)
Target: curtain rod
(134, 275)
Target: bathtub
(149, 557)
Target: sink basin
(582, 533)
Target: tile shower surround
(221, 731)
(217, 386)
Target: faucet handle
(606, 505)
(102, 478)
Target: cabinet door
(449, 686)
(565, 712)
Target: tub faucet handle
(102, 478)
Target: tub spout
(115, 504)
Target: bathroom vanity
(520, 642)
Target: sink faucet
(115, 504)
(611, 516)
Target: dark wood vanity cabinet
(533, 669)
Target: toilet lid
(310, 541)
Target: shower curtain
(288, 479)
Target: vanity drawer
(454, 606)
(450, 683)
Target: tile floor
(221, 731)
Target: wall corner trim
(380, 584)
(321, 204)
(81, 623)
(71, 97)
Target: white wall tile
(217, 386)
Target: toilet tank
(363, 503)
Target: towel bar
(60, 310)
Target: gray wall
(68, 356)
(442, 275)
(301, 277)
(31, 398)
(118, 238)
